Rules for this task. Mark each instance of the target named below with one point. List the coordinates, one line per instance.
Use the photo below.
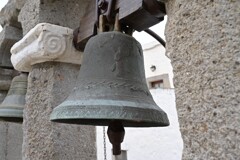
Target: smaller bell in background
(11, 109)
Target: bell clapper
(116, 134)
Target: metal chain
(104, 143)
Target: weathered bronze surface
(11, 108)
(111, 86)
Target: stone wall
(203, 41)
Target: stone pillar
(203, 41)
(48, 53)
(9, 14)
(10, 133)
(54, 64)
(8, 36)
(66, 13)
(5, 81)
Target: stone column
(54, 64)
(5, 81)
(48, 53)
(10, 133)
(8, 36)
(66, 13)
(203, 41)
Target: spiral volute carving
(53, 44)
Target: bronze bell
(111, 86)
(11, 109)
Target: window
(157, 84)
(160, 81)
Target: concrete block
(8, 37)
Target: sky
(2, 4)
(142, 37)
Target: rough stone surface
(10, 141)
(3, 128)
(14, 141)
(8, 36)
(3, 140)
(9, 13)
(49, 84)
(18, 3)
(203, 41)
(66, 13)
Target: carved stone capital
(45, 42)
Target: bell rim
(11, 114)
(88, 115)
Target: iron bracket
(135, 14)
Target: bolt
(102, 4)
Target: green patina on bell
(11, 109)
(111, 86)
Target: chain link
(104, 143)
